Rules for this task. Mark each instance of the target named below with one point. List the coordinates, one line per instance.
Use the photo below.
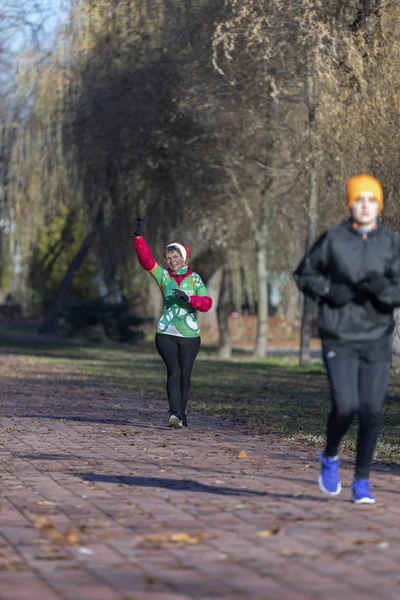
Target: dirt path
(100, 501)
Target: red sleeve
(146, 259)
(201, 303)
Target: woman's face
(365, 210)
(174, 260)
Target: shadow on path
(182, 485)
(187, 485)
(105, 421)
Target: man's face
(174, 260)
(365, 210)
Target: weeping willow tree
(109, 132)
(42, 180)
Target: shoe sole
(175, 422)
(364, 501)
(323, 488)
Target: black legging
(179, 354)
(358, 388)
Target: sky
(30, 16)
(22, 22)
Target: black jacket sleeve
(311, 274)
(389, 295)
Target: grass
(272, 395)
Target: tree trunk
(50, 321)
(208, 321)
(396, 341)
(308, 306)
(262, 282)
(223, 312)
(291, 312)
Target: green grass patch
(272, 395)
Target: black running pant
(179, 354)
(358, 388)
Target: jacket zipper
(365, 238)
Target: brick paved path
(100, 501)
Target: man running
(353, 271)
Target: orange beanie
(363, 183)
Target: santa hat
(184, 250)
(364, 183)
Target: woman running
(178, 333)
(353, 270)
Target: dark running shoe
(184, 421)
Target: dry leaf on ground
(275, 529)
(43, 523)
(176, 538)
(69, 536)
(360, 541)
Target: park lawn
(271, 395)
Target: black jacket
(344, 255)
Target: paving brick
(158, 514)
(79, 585)
(25, 586)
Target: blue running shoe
(329, 478)
(361, 492)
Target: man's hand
(372, 286)
(179, 295)
(339, 294)
(141, 226)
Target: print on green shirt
(178, 317)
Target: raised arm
(145, 256)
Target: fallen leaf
(52, 553)
(275, 529)
(45, 503)
(69, 536)
(243, 454)
(360, 542)
(185, 538)
(177, 538)
(288, 553)
(264, 534)
(43, 523)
